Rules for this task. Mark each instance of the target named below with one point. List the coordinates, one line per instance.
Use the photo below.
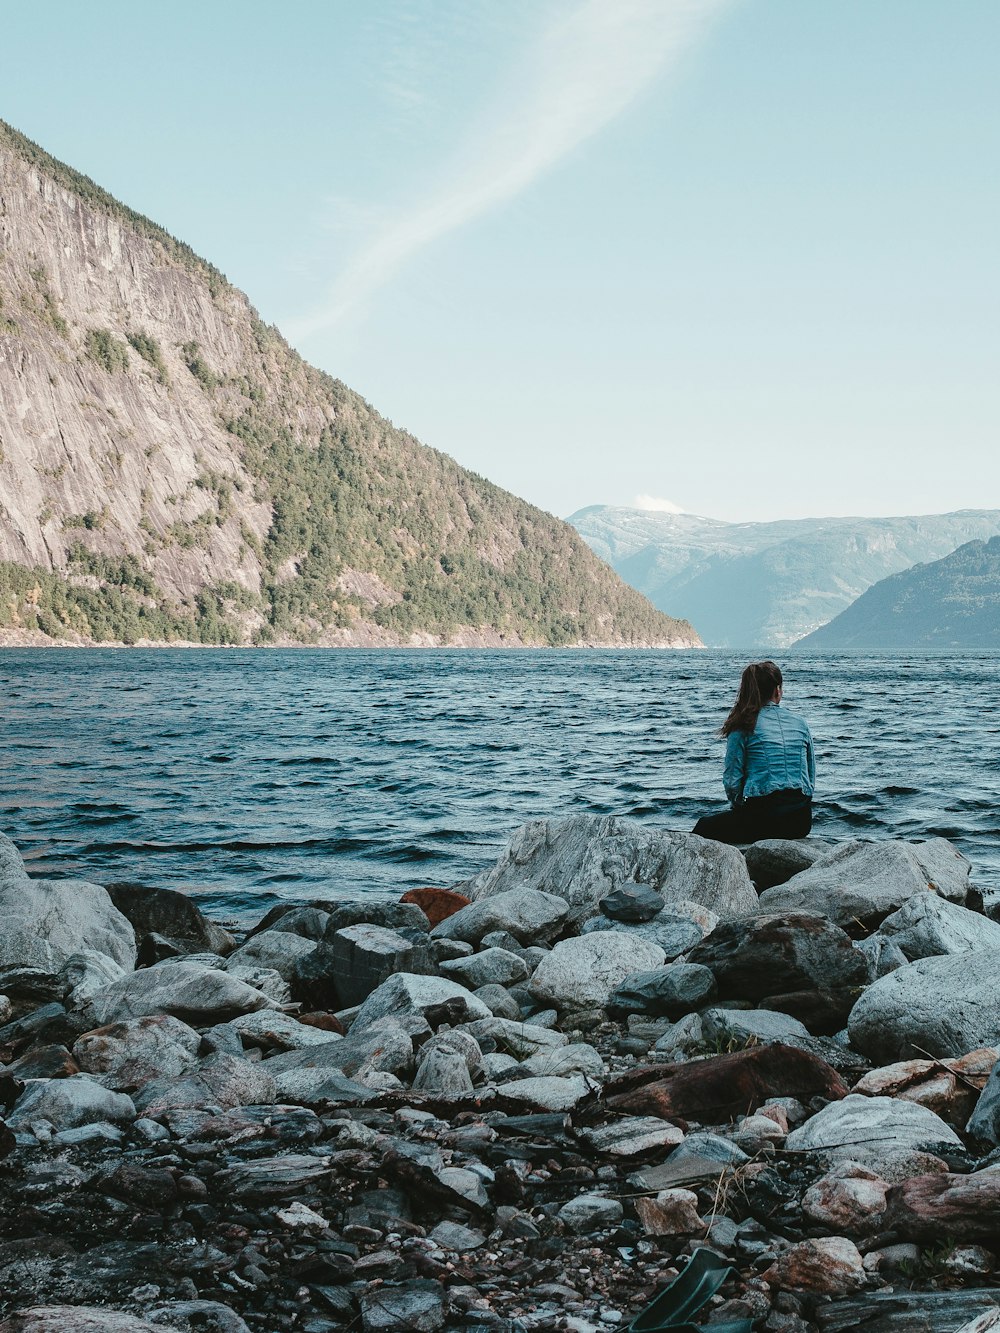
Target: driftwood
(724, 1086)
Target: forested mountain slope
(171, 469)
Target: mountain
(951, 605)
(765, 585)
(170, 469)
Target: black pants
(781, 814)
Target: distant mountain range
(170, 469)
(761, 586)
(951, 604)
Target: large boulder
(774, 860)
(587, 857)
(126, 1055)
(927, 926)
(943, 1006)
(581, 973)
(527, 914)
(195, 994)
(382, 1045)
(666, 991)
(44, 922)
(875, 1131)
(69, 1102)
(277, 950)
(865, 881)
(673, 934)
(434, 998)
(223, 1081)
(173, 915)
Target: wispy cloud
(585, 69)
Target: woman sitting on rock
(770, 767)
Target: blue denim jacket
(776, 756)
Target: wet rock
(673, 934)
(943, 1006)
(633, 1135)
(175, 915)
(188, 991)
(632, 903)
(590, 1212)
(742, 1026)
(865, 881)
(587, 857)
(436, 999)
(418, 1306)
(672, 991)
(68, 1102)
(984, 1123)
(964, 1208)
(874, 1131)
(581, 973)
(724, 1086)
(45, 922)
(436, 904)
(927, 926)
(775, 860)
(222, 1081)
(526, 913)
(829, 1266)
(131, 1053)
(490, 967)
(276, 950)
(671, 1213)
(849, 1199)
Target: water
(245, 777)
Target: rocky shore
(518, 1104)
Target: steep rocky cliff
(171, 469)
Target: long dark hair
(757, 686)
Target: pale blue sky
(741, 255)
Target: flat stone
(272, 1030)
(551, 1094)
(417, 1306)
(222, 1081)
(671, 991)
(456, 1238)
(745, 1025)
(576, 1058)
(383, 1044)
(673, 934)
(272, 1177)
(490, 967)
(633, 1135)
(522, 1040)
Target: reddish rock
(724, 1086)
(324, 1021)
(44, 1062)
(960, 1207)
(436, 904)
(671, 1213)
(949, 1088)
(850, 1199)
(830, 1266)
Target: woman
(770, 770)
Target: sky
(736, 257)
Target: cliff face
(950, 605)
(170, 468)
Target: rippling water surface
(244, 777)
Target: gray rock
(417, 1306)
(314, 1087)
(69, 1102)
(944, 1006)
(272, 1177)
(582, 972)
(749, 1025)
(456, 1238)
(633, 1135)
(127, 1055)
(551, 1093)
(713, 1146)
(442, 951)
(522, 1040)
(884, 955)
(264, 979)
(502, 939)
(459, 1043)
(684, 1038)
(928, 926)
(632, 903)
(587, 857)
(84, 974)
(490, 967)
(79, 1319)
(984, 1123)
(590, 1212)
(223, 1081)
(272, 1030)
(874, 1131)
(167, 913)
(865, 881)
(43, 923)
(187, 990)
(576, 1058)
(524, 912)
(497, 1066)
(197, 1317)
(775, 860)
(276, 950)
(443, 1073)
(376, 912)
(384, 1044)
(359, 958)
(671, 991)
(499, 1002)
(673, 934)
(309, 922)
(435, 998)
